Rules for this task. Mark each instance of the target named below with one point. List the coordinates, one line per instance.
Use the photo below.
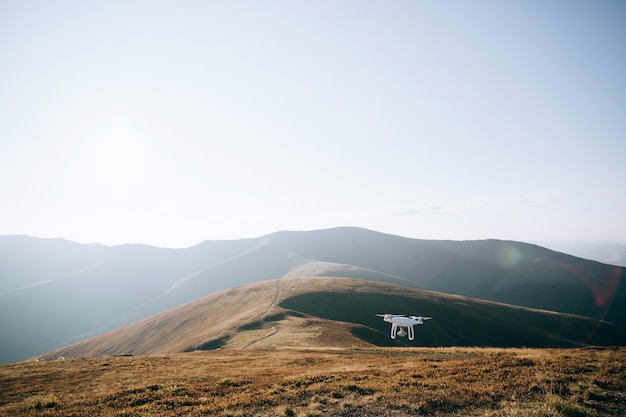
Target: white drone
(405, 324)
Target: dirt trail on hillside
(275, 328)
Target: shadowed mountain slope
(339, 312)
(54, 292)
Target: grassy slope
(181, 328)
(323, 312)
(458, 321)
(341, 382)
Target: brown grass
(317, 382)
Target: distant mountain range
(54, 292)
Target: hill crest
(341, 313)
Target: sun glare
(120, 160)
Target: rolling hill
(340, 313)
(54, 292)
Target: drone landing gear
(403, 331)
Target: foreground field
(382, 382)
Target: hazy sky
(173, 122)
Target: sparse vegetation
(43, 403)
(314, 382)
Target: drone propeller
(392, 315)
(420, 317)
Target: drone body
(402, 325)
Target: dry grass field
(324, 382)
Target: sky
(173, 122)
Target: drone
(402, 325)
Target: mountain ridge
(55, 292)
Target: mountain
(54, 292)
(339, 312)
